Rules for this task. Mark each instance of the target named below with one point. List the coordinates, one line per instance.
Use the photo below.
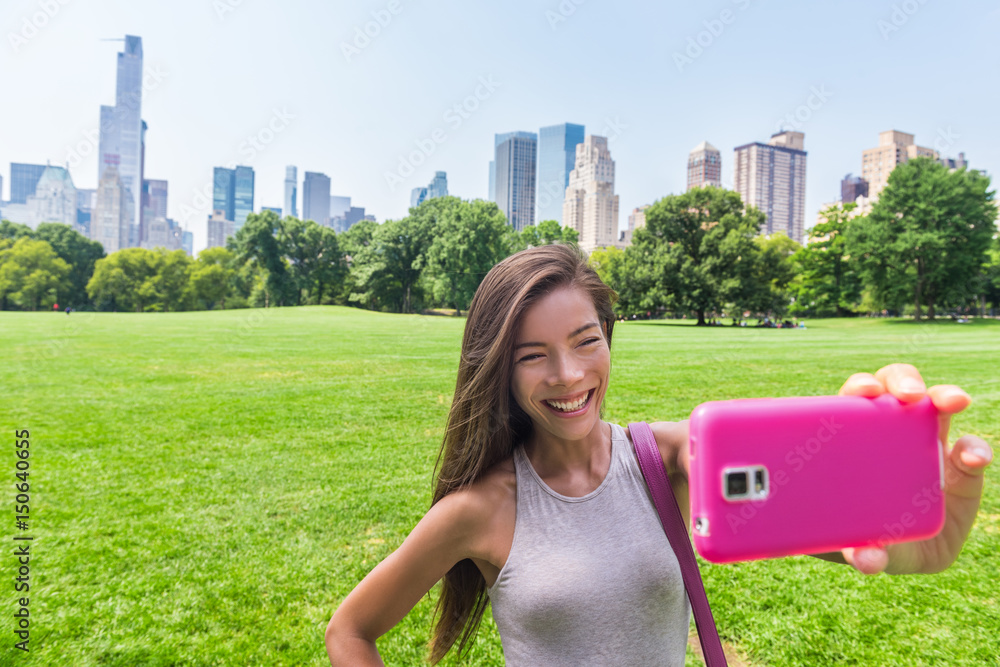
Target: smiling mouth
(570, 406)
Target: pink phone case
(822, 473)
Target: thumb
(866, 560)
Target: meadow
(206, 487)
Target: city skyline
(835, 90)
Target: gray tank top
(590, 580)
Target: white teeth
(569, 407)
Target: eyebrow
(575, 333)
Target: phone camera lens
(736, 484)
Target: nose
(568, 369)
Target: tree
(211, 279)
(313, 254)
(927, 235)
(625, 273)
(699, 247)
(545, 232)
(76, 250)
(14, 231)
(828, 282)
(31, 274)
(171, 291)
(469, 239)
(125, 279)
(387, 270)
(766, 289)
(257, 242)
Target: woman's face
(561, 364)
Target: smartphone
(773, 477)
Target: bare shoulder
(477, 512)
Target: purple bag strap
(651, 464)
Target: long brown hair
(485, 423)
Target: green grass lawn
(206, 487)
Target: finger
(970, 456)
(902, 381)
(862, 384)
(866, 560)
(949, 398)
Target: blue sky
(223, 71)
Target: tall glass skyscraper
(438, 186)
(121, 132)
(516, 164)
(224, 192)
(556, 157)
(232, 193)
(291, 191)
(242, 196)
(23, 180)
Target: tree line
(928, 244)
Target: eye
(590, 341)
(529, 357)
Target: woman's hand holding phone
(964, 464)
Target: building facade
(109, 224)
(438, 187)
(591, 205)
(704, 166)
(636, 220)
(121, 132)
(852, 187)
(516, 164)
(316, 198)
(556, 159)
(219, 229)
(242, 195)
(54, 199)
(772, 177)
(291, 191)
(893, 148)
(23, 179)
(417, 197)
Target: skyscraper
(108, 223)
(417, 197)
(232, 193)
(291, 191)
(591, 205)
(636, 220)
(893, 148)
(23, 179)
(853, 187)
(242, 196)
(121, 131)
(704, 166)
(224, 192)
(516, 163)
(556, 159)
(316, 198)
(772, 177)
(154, 204)
(220, 228)
(438, 187)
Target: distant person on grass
(540, 508)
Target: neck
(552, 455)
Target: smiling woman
(540, 508)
